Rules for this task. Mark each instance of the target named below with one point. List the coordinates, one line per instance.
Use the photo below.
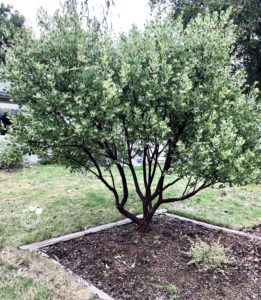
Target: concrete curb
(251, 236)
(75, 235)
(80, 280)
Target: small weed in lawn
(207, 256)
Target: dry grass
(25, 275)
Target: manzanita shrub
(98, 101)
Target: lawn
(25, 275)
(71, 202)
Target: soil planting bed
(128, 264)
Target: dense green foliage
(98, 102)
(10, 153)
(246, 15)
(11, 19)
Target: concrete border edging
(75, 235)
(252, 236)
(67, 237)
(92, 288)
(80, 280)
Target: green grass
(23, 284)
(72, 203)
(236, 207)
(25, 275)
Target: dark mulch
(128, 264)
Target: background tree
(98, 19)
(99, 102)
(11, 153)
(9, 16)
(245, 14)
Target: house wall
(9, 105)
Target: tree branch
(185, 197)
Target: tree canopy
(98, 102)
(245, 14)
(9, 16)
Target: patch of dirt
(128, 264)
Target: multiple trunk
(151, 199)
